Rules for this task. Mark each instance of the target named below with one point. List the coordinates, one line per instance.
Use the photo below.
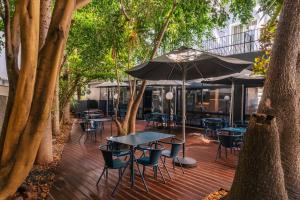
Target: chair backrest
(107, 154)
(93, 124)
(213, 124)
(115, 146)
(175, 148)
(154, 156)
(226, 140)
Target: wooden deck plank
(82, 164)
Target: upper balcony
(238, 43)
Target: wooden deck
(82, 164)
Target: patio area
(82, 164)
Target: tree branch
(123, 10)
(81, 3)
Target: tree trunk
(79, 93)
(280, 98)
(260, 160)
(55, 111)
(12, 45)
(35, 87)
(66, 113)
(45, 154)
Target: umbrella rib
(173, 67)
(197, 69)
(223, 65)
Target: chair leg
(164, 165)
(144, 169)
(180, 165)
(173, 162)
(120, 179)
(154, 174)
(225, 152)
(161, 174)
(101, 175)
(143, 179)
(218, 152)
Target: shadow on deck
(82, 164)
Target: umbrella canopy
(108, 84)
(245, 77)
(187, 63)
(164, 83)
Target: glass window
(253, 96)
(213, 100)
(216, 100)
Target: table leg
(155, 168)
(132, 166)
(111, 126)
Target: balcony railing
(238, 43)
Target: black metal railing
(242, 42)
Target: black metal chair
(150, 160)
(89, 128)
(227, 141)
(112, 163)
(212, 126)
(120, 149)
(172, 153)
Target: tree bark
(45, 154)
(35, 87)
(55, 111)
(281, 99)
(12, 44)
(66, 113)
(258, 162)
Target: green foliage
(242, 9)
(261, 63)
(108, 36)
(272, 8)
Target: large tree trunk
(280, 94)
(55, 111)
(66, 113)
(259, 174)
(12, 44)
(45, 154)
(35, 87)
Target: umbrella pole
(183, 112)
(184, 161)
(231, 105)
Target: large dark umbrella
(187, 64)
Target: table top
(234, 129)
(213, 119)
(156, 113)
(140, 138)
(96, 111)
(101, 120)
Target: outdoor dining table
(101, 121)
(94, 115)
(133, 140)
(234, 130)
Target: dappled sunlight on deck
(82, 164)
